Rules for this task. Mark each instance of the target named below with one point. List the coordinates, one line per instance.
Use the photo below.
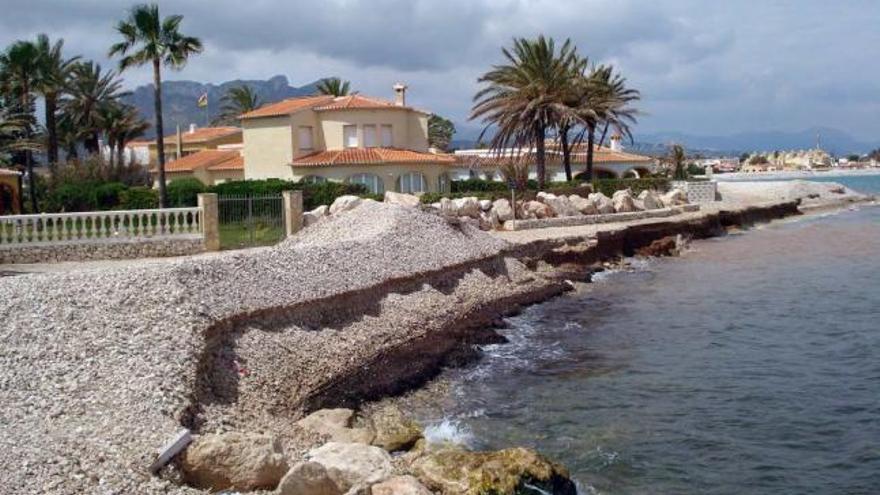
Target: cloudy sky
(703, 66)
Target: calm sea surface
(749, 365)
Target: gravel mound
(97, 367)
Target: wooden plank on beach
(171, 449)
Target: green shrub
(324, 193)
(139, 198)
(608, 186)
(478, 185)
(107, 195)
(184, 192)
(72, 196)
(254, 187)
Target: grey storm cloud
(701, 66)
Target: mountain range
(180, 98)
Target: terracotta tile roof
(203, 134)
(370, 156)
(287, 107)
(353, 102)
(210, 159)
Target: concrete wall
(698, 191)
(268, 148)
(140, 248)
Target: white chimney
(615, 143)
(400, 94)
(192, 128)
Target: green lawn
(237, 235)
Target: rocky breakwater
(382, 453)
(491, 215)
(101, 368)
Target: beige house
(358, 139)
(193, 140)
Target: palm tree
(606, 100)
(147, 38)
(19, 66)
(121, 123)
(236, 101)
(525, 97)
(52, 78)
(440, 132)
(89, 89)
(333, 86)
(677, 157)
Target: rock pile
(243, 462)
(489, 215)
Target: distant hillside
(179, 99)
(834, 141)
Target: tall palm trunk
(120, 156)
(160, 134)
(591, 141)
(540, 136)
(604, 134)
(566, 152)
(51, 129)
(28, 156)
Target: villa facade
(357, 139)
(608, 162)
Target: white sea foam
(448, 430)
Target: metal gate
(250, 220)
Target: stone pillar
(210, 221)
(293, 211)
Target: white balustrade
(99, 226)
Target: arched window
(412, 182)
(313, 179)
(372, 182)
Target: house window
(443, 183)
(387, 138)
(305, 138)
(412, 182)
(370, 136)
(313, 179)
(372, 182)
(350, 136)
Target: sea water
(751, 364)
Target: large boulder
(674, 197)
(237, 461)
(336, 424)
(352, 464)
(314, 216)
(504, 472)
(401, 199)
(603, 203)
(467, 207)
(394, 431)
(537, 209)
(307, 478)
(485, 204)
(501, 208)
(623, 201)
(650, 200)
(560, 205)
(400, 485)
(344, 203)
(583, 205)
